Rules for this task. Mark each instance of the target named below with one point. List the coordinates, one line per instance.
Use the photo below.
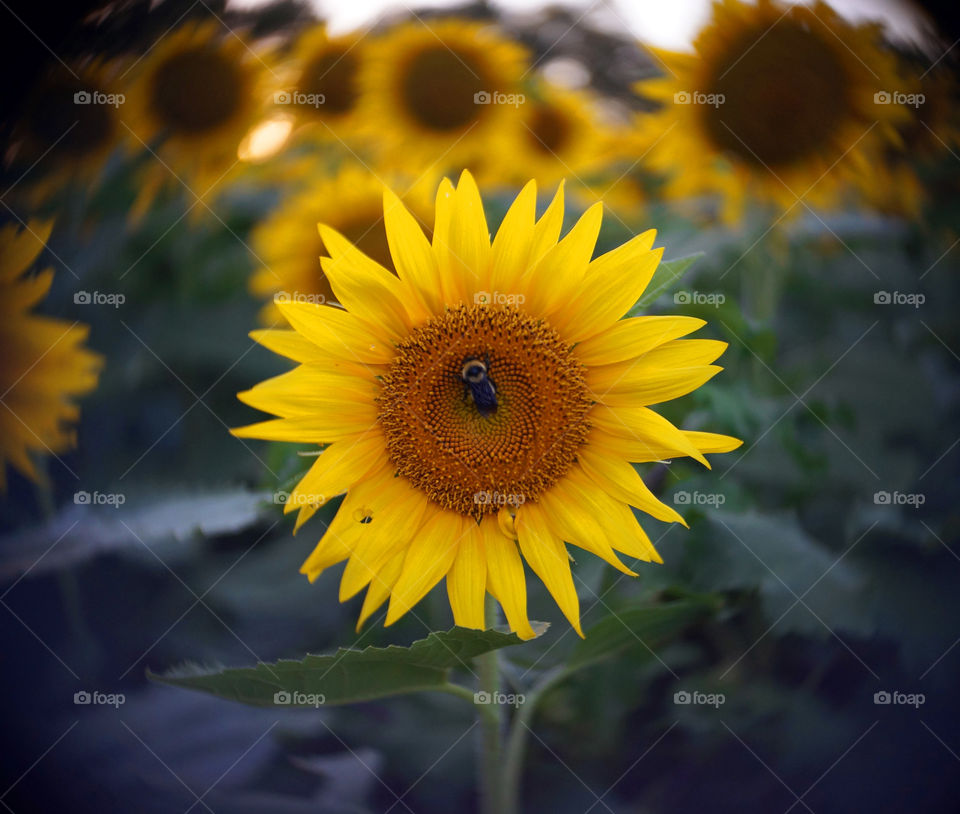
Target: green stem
(491, 722)
(458, 690)
(517, 740)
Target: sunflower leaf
(641, 625)
(348, 676)
(665, 277)
(129, 522)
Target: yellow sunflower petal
(379, 589)
(291, 344)
(647, 451)
(21, 247)
(351, 419)
(548, 557)
(650, 431)
(469, 244)
(467, 579)
(619, 479)
(631, 338)
(338, 333)
(685, 353)
(514, 240)
(574, 522)
(336, 469)
(625, 385)
(28, 292)
(344, 531)
(310, 390)
(395, 515)
(557, 279)
(713, 442)
(611, 287)
(505, 578)
(428, 560)
(615, 518)
(452, 280)
(363, 286)
(305, 513)
(411, 252)
(547, 229)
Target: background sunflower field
(163, 169)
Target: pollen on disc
(469, 462)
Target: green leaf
(638, 625)
(665, 277)
(130, 522)
(348, 676)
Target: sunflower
(289, 244)
(192, 100)
(444, 92)
(324, 87)
(44, 365)
(776, 103)
(558, 136)
(471, 430)
(932, 132)
(69, 126)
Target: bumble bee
(476, 383)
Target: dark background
(826, 595)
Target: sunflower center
(196, 91)
(785, 96)
(549, 130)
(472, 460)
(76, 129)
(332, 75)
(439, 89)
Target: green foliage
(348, 676)
(665, 279)
(637, 624)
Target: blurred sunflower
(777, 103)
(443, 93)
(194, 97)
(69, 126)
(44, 365)
(325, 86)
(932, 132)
(289, 244)
(472, 430)
(557, 137)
